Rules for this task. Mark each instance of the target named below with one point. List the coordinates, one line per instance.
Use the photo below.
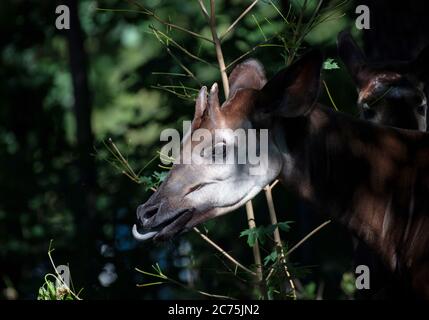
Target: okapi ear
(420, 65)
(352, 56)
(249, 74)
(200, 107)
(293, 91)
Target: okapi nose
(144, 213)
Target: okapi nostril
(150, 213)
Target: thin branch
(277, 238)
(329, 95)
(218, 248)
(174, 74)
(259, 27)
(256, 250)
(285, 19)
(168, 24)
(274, 184)
(260, 45)
(241, 16)
(160, 275)
(177, 94)
(219, 54)
(58, 276)
(122, 157)
(184, 50)
(189, 72)
(295, 39)
(203, 9)
(307, 237)
(312, 21)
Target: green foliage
(348, 284)
(54, 288)
(49, 291)
(330, 64)
(309, 292)
(271, 258)
(261, 233)
(153, 181)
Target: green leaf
(272, 257)
(348, 283)
(330, 64)
(251, 236)
(43, 294)
(310, 291)
(68, 297)
(51, 290)
(262, 232)
(160, 176)
(284, 226)
(147, 182)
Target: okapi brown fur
(373, 180)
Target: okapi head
(201, 190)
(389, 92)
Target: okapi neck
(365, 176)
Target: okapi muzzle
(372, 179)
(389, 92)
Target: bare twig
(309, 26)
(162, 276)
(168, 24)
(274, 184)
(307, 237)
(277, 238)
(124, 161)
(330, 96)
(241, 16)
(184, 50)
(295, 38)
(203, 9)
(58, 276)
(219, 54)
(285, 19)
(256, 249)
(260, 45)
(218, 248)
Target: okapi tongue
(143, 236)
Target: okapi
(389, 92)
(372, 179)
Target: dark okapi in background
(389, 93)
(373, 179)
(398, 31)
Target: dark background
(62, 93)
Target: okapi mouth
(166, 230)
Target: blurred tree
(84, 209)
